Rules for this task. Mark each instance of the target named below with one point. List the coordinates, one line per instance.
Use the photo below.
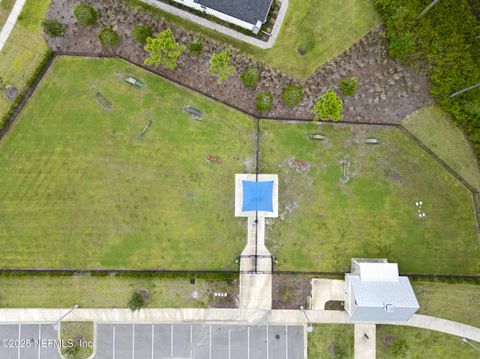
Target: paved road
(162, 341)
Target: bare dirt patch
(387, 90)
(290, 292)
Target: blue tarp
(257, 196)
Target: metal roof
(378, 272)
(378, 294)
(249, 11)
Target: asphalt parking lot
(162, 341)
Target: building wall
(220, 15)
(380, 315)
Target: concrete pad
(324, 290)
(365, 347)
(256, 291)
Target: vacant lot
(81, 188)
(324, 221)
(437, 130)
(405, 342)
(453, 301)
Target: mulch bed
(290, 292)
(387, 90)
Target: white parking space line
(133, 341)
(268, 341)
(19, 336)
(229, 344)
(286, 342)
(113, 343)
(191, 340)
(248, 343)
(171, 341)
(210, 349)
(153, 338)
(39, 338)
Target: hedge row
(444, 43)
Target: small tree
(196, 46)
(348, 86)
(250, 77)
(163, 50)
(292, 95)
(140, 33)
(53, 28)
(220, 66)
(328, 107)
(136, 302)
(85, 14)
(264, 101)
(109, 38)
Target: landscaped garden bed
(387, 91)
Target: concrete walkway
(324, 290)
(365, 341)
(225, 30)
(11, 21)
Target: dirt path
(387, 91)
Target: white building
(248, 14)
(375, 292)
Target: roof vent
(389, 308)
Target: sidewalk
(11, 21)
(365, 341)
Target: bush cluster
(109, 38)
(85, 14)
(444, 42)
(348, 86)
(136, 302)
(250, 77)
(140, 33)
(292, 95)
(53, 28)
(264, 101)
(195, 46)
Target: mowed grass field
(79, 187)
(323, 222)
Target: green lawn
(327, 29)
(24, 49)
(76, 336)
(80, 188)
(331, 341)
(453, 301)
(436, 129)
(405, 342)
(323, 223)
(105, 291)
(5, 8)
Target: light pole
(465, 340)
(309, 325)
(56, 325)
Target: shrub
(348, 86)
(401, 46)
(220, 65)
(164, 50)
(250, 77)
(109, 38)
(195, 46)
(264, 101)
(140, 33)
(328, 107)
(85, 14)
(136, 302)
(292, 95)
(53, 28)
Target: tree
(53, 28)
(328, 107)
(136, 302)
(85, 14)
(220, 66)
(164, 50)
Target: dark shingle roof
(247, 10)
